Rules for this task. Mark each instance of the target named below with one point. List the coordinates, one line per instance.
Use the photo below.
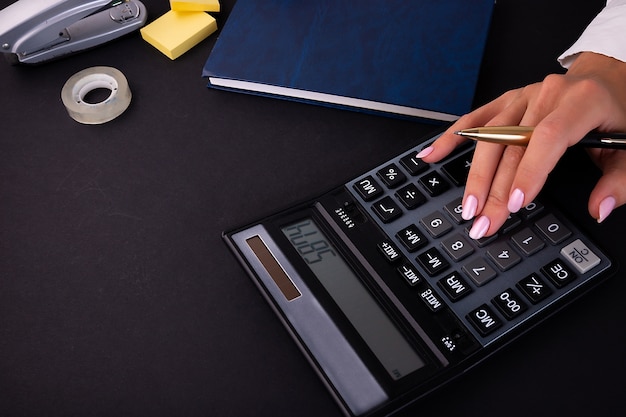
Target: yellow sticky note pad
(195, 5)
(176, 32)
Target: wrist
(609, 74)
(592, 63)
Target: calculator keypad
(492, 284)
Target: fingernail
(479, 228)
(469, 208)
(425, 152)
(606, 207)
(515, 201)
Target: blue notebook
(418, 58)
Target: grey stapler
(35, 31)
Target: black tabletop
(118, 296)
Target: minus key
(580, 256)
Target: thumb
(610, 191)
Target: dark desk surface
(118, 297)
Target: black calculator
(389, 298)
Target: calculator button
(454, 209)
(433, 261)
(436, 224)
(484, 320)
(483, 241)
(413, 165)
(410, 196)
(531, 210)
(368, 188)
(389, 250)
(558, 273)
(458, 168)
(579, 255)
(511, 223)
(431, 299)
(534, 288)
(527, 241)
(412, 238)
(503, 255)
(391, 176)
(553, 229)
(410, 274)
(509, 304)
(457, 247)
(387, 209)
(454, 286)
(480, 271)
(434, 183)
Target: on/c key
(580, 256)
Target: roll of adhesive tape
(83, 82)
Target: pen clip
(613, 141)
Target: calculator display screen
(345, 288)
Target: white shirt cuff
(605, 35)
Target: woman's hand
(562, 109)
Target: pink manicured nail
(606, 207)
(479, 228)
(425, 152)
(515, 201)
(469, 207)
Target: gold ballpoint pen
(520, 135)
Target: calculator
(386, 294)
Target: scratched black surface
(118, 297)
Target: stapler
(35, 31)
